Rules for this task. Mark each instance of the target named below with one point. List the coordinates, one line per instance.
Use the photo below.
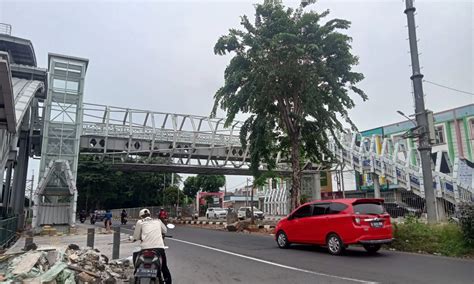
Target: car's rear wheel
(282, 240)
(372, 248)
(335, 244)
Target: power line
(235, 186)
(449, 88)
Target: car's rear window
(368, 208)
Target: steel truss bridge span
(140, 140)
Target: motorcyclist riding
(163, 215)
(150, 232)
(93, 217)
(82, 215)
(123, 216)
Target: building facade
(453, 137)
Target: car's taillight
(356, 220)
(149, 253)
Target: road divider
(213, 223)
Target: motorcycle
(82, 219)
(93, 218)
(148, 266)
(124, 220)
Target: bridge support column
(3, 193)
(317, 186)
(19, 181)
(375, 179)
(7, 198)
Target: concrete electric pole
(424, 143)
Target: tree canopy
(292, 71)
(100, 187)
(173, 196)
(207, 183)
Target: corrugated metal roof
(20, 49)
(54, 214)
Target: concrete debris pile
(238, 226)
(246, 227)
(73, 266)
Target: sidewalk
(102, 242)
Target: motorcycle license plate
(377, 224)
(143, 272)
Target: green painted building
(454, 132)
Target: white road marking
(276, 264)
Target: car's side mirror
(290, 217)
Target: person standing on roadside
(108, 220)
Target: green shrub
(466, 220)
(445, 239)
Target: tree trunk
(296, 175)
(87, 200)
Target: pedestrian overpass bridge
(42, 114)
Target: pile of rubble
(238, 226)
(72, 266)
(245, 226)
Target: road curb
(214, 223)
(199, 222)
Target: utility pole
(424, 143)
(164, 187)
(32, 188)
(343, 187)
(252, 221)
(177, 207)
(247, 194)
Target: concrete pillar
(7, 199)
(317, 186)
(375, 179)
(441, 210)
(72, 218)
(2, 192)
(90, 237)
(116, 243)
(19, 181)
(398, 195)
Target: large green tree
(292, 71)
(190, 187)
(173, 196)
(207, 183)
(100, 187)
(96, 184)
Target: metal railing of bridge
(145, 124)
(7, 231)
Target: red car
(337, 223)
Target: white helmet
(144, 212)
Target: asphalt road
(207, 256)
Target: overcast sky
(158, 55)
